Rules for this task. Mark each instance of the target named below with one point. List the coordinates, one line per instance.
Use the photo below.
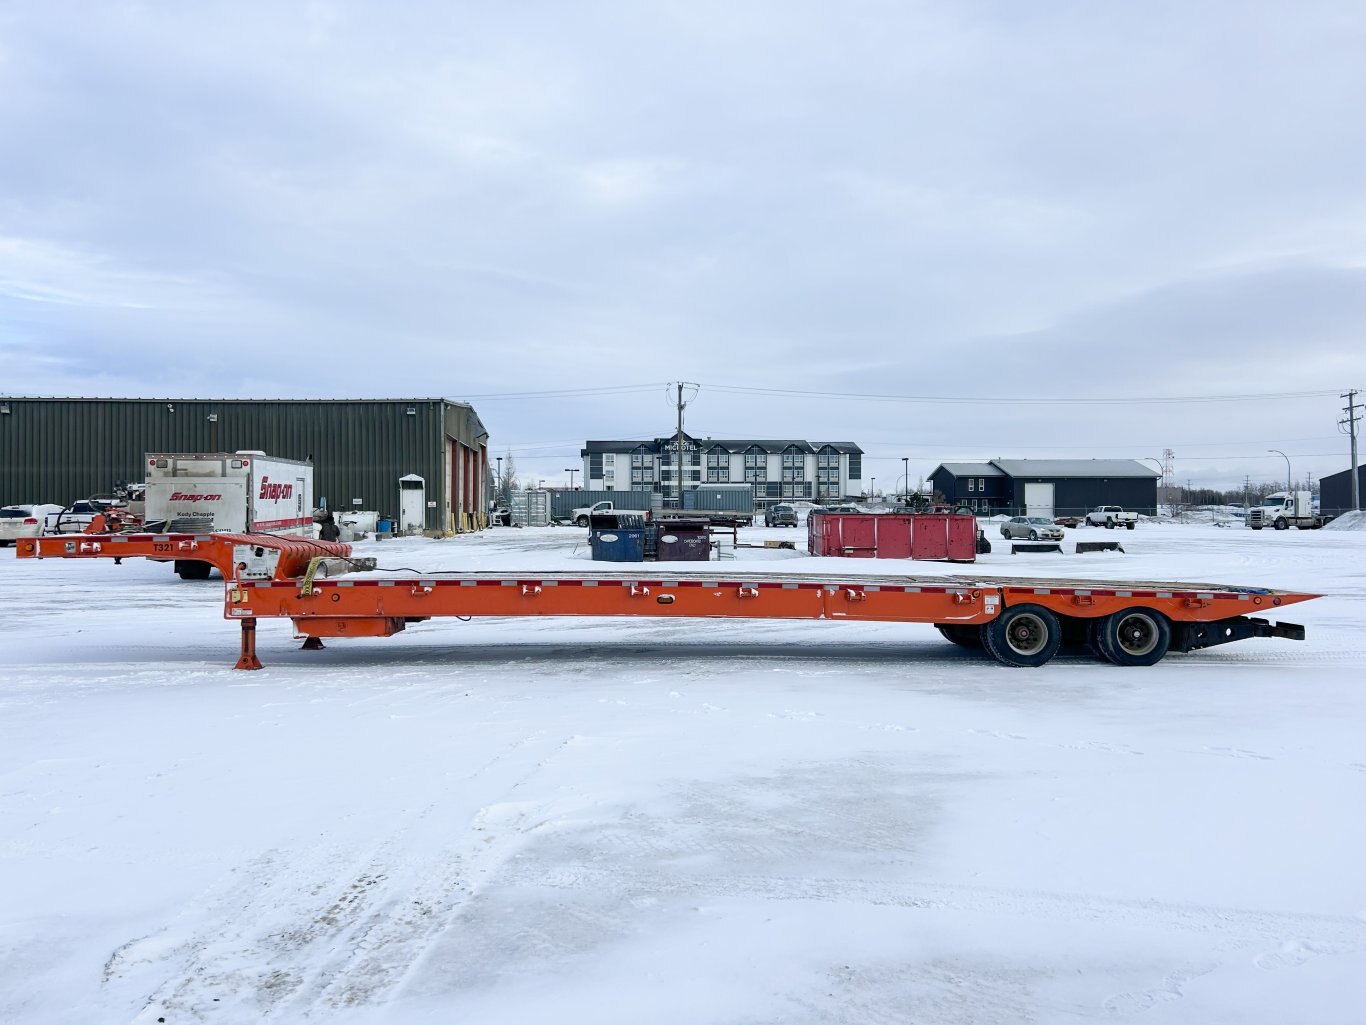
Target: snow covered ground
(603, 821)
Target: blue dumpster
(619, 544)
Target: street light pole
(905, 476)
(872, 487)
(571, 471)
(500, 475)
(1289, 487)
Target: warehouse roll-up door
(1039, 500)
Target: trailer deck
(326, 593)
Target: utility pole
(678, 456)
(1350, 422)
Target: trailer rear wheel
(1023, 636)
(960, 634)
(192, 569)
(1134, 637)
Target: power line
(608, 389)
(1016, 400)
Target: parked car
(781, 515)
(1034, 528)
(1067, 521)
(77, 516)
(18, 521)
(843, 509)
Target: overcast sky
(826, 215)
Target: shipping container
(530, 508)
(733, 498)
(563, 503)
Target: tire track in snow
(1293, 936)
(292, 931)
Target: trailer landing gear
(247, 659)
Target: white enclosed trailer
(227, 492)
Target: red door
(858, 535)
(963, 538)
(930, 537)
(893, 536)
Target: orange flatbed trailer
(1018, 622)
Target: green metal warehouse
(61, 450)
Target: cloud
(987, 200)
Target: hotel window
(756, 466)
(718, 467)
(972, 485)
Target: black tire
(1023, 636)
(1093, 639)
(1281, 524)
(960, 634)
(1134, 637)
(1033, 535)
(1130, 525)
(1005, 533)
(1109, 524)
(1256, 526)
(582, 521)
(190, 569)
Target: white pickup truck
(580, 515)
(1111, 516)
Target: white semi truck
(243, 492)
(1286, 509)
